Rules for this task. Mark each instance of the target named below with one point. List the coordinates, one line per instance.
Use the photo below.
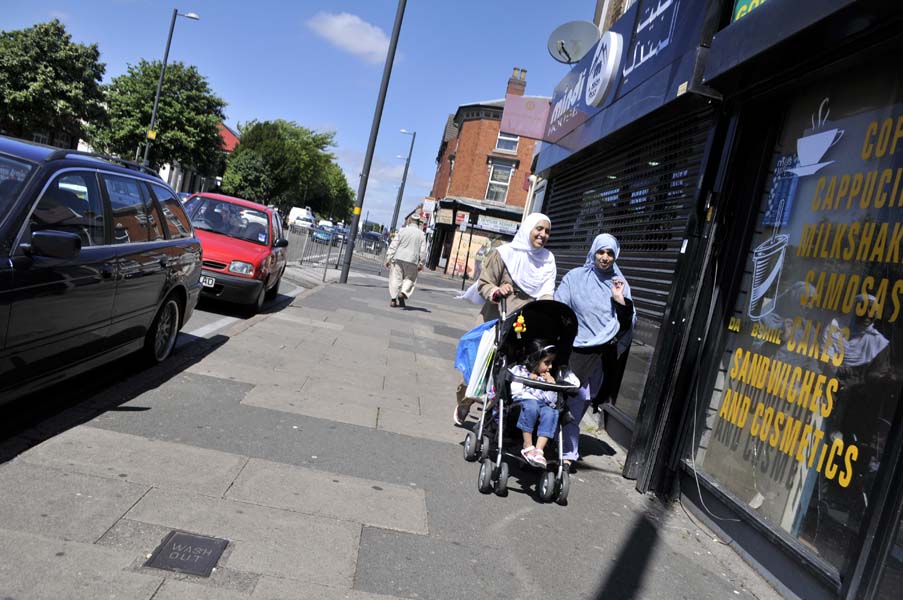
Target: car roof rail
(128, 164)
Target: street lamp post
(150, 130)
(374, 131)
(404, 177)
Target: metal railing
(309, 248)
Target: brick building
(482, 177)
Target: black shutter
(640, 187)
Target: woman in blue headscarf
(599, 295)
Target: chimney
(518, 82)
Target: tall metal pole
(374, 131)
(149, 141)
(404, 178)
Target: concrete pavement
(317, 440)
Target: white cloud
(352, 34)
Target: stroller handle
(503, 307)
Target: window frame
(507, 137)
(507, 185)
(145, 197)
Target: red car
(243, 246)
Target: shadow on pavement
(626, 575)
(35, 418)
(410, 308)
(592, 446)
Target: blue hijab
(587, 290)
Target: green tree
(47, 81)
(280, 162)
(187, 117)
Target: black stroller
(496, 437)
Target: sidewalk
(317, 439)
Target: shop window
(809, 382)
(499, 178)
(506, 143)
(41, 137)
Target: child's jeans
(531, 411)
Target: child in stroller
(537, 407)
(496, 440)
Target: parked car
(341, 234)
(184, 196)
(323, 235)
(244, 249)
(372, 241)
(304, 223)
(99, 260)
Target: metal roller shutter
(640, 188)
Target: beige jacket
(493, 275)
(409, 245)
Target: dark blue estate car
(97, 259)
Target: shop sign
(429, 206)
(445, 216)
(799, 423)
(744, 7)
(487, 223)
(651, 35)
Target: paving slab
(310, 404)
(135, 459)
(265, 540)
(174, 589)
(272, 588)
(313, 492)
(37, 568)
(432, 428)
(312, 323)
(56, 504)
(327, 389)
(363, 376)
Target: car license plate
(208, 281)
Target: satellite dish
(570, 42)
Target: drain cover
(187, 553)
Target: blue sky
(319, 63)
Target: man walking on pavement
(404, 259)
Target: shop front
(625, 152)
(786, 430)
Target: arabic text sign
(651, 35)
(525, 116)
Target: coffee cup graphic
(768, 261)
(812, 148)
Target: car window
(128, 201)
(233, 220)
(174, 217)
(13, 174)
(71, 203)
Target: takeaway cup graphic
(768, 261)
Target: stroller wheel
(470, 447)
(547, 486)
(501, 484)
(563, 488)
(484, 483)
(485, 445)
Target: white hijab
(532, 269)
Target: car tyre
(161, 337)
(274, 291)
(256, 306)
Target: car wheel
(161, 337)
(256, 306)
(274, 291)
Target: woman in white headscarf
(600, 297)
(520, 271)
